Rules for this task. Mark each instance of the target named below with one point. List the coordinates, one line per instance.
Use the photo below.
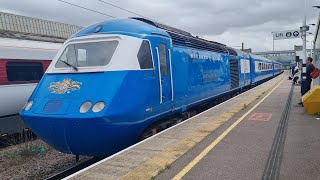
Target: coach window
(163, 59)
(144, 56)
(24, 71)
(259, 66)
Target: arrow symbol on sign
(296, 34)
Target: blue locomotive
(112, 80)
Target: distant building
(249, 50)
(285, 57)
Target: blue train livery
(112, 80)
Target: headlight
(98, 106)
(28, 106)
(85, 107)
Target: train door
(245, 71)
(273, 68)
(165, 73)
(252, 70)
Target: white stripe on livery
(124, 58)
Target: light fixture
(28, 106)
(99, 106)
(85, 107)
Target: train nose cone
(95, 136)
(51, 131)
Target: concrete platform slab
(170, 145)
(245, 151)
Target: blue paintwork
(123, 110)
(128, 94)
(129, 27)
(195, 80)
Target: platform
(257, 135)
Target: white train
(22, 64)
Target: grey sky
(226, 21)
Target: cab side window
(163, 59)
(144, 55)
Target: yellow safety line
(196, 160)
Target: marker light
(85, 107)
(28, 106)
(99, 106)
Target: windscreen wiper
(74, 67)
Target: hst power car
(112, 80)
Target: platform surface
(246, 151)
(242, 153)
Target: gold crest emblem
(65, 86)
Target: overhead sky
(227, 21)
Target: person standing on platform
(307, 84)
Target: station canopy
(22, 27)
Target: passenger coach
(22, 64)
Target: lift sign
(286, 34)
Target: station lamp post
(303, 29)
(314, 41)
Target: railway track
(7, 140)
(75, 168)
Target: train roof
(260, 57)
(22, 43)
(242, 53)
(147, 27)
(184, 38)
(27, 49)
(122, 26)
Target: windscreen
(87, 54)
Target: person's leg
(307, 85)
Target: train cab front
(79, 105)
